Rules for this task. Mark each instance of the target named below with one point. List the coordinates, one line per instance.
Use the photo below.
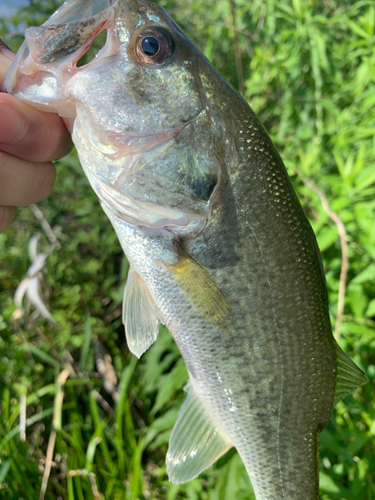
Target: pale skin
(29, 141)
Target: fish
(220, 250)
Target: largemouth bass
(219, 248)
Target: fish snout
(48, 57)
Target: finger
(23, 182)
(31, 134)
(7, 216)
(26, 132)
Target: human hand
(29, 140)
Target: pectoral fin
(140, 315)
(196, 443)
(201, 289)
(348, 377)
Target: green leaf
(4, 467)
(327, 483)
(366, 177)
(39, 353)
(370, 312)
(326, 237)
(368, 274)
(358, 30)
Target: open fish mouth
(48, 57)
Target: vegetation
(97, 420)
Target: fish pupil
(150, 46)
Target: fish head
(146, 114)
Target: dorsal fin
(348, 377)
(195, 444)
(141, 315)
(200, 289)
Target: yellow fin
(348, 377)
(201, 290)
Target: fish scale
(219, 248)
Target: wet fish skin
(219, 247)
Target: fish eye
(150, 46)
(154, 46)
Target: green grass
(308, 72)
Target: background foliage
(307, 68)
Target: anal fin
(141, 315)
(348, 377)
(195, 444)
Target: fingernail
(5, 50)
(13, 125)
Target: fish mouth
(48, 57)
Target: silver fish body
(219, 248)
